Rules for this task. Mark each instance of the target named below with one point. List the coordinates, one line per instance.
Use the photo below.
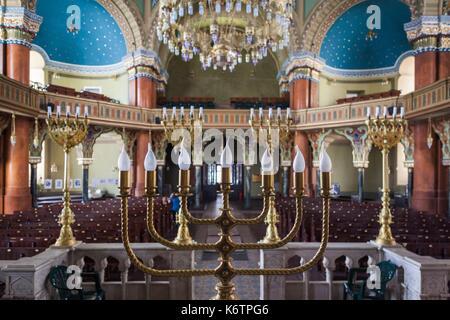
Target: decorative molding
(317, 140)
(67, 68)
(368, 73)
(442, 129)
(144, 63)
(429, 34)
(301, 65)
(408, 147)
(361, 145)
(18, 25)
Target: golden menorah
(181, 121)
(386, 133)
(67, 132)
(282, 125)
(225, 221)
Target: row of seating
(352, 222)
(373, 96)
(28, 233)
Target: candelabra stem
(66, 218)
(183, 235)
(272, 216)
(385, 236)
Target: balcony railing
(15, 97)
(418, 277)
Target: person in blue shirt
(174, 203)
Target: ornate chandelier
(224, 33)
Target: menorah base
(385, 242)
(225, 292)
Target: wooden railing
(22, 100)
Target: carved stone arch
(130, 21)
(325, 15)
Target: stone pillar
(144, 74)
(34, 161)
(425, 162)
(85, 163)
(410, 186)
(18, 26)
(429, 37)
(408, 148)
(285, 189)
(161, 179)
(361, 146)
(142, 140)
(442, 129)
(247, 187)
(317, 140)
(302, 71)
(198, 187)
(360, 185)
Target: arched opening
(104, 171)
(37, 65)
(189, 80)
(406, 79)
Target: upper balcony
(22, 100)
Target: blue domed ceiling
(369, 35)
(79, 32)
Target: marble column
(318, 186)
(142, 66)
(34, 161)
(85, 190)
(142, 141)
(360, 185)
(410, 186)
(161, 179)
(248, 187)
(198, 187)
(19, 26)
(425, 162)
(285, 190)
(302, 71)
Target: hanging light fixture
(430, 136)
(224, 33)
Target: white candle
(164, 113)
(270, 113)
(58, 111)
(192, 111)
(395, 112)
(402, 112)
(377, 112)
(77, 111)
(86, 111)
(252, 113)
(174, 112)
(182, 112)
(385, 113)
(368, 112)
(49, 111)
(200, 114)
(279, 113)
(68, 111)
(261, 113)
(288, 113)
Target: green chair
(357, 289)
(58, 279)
